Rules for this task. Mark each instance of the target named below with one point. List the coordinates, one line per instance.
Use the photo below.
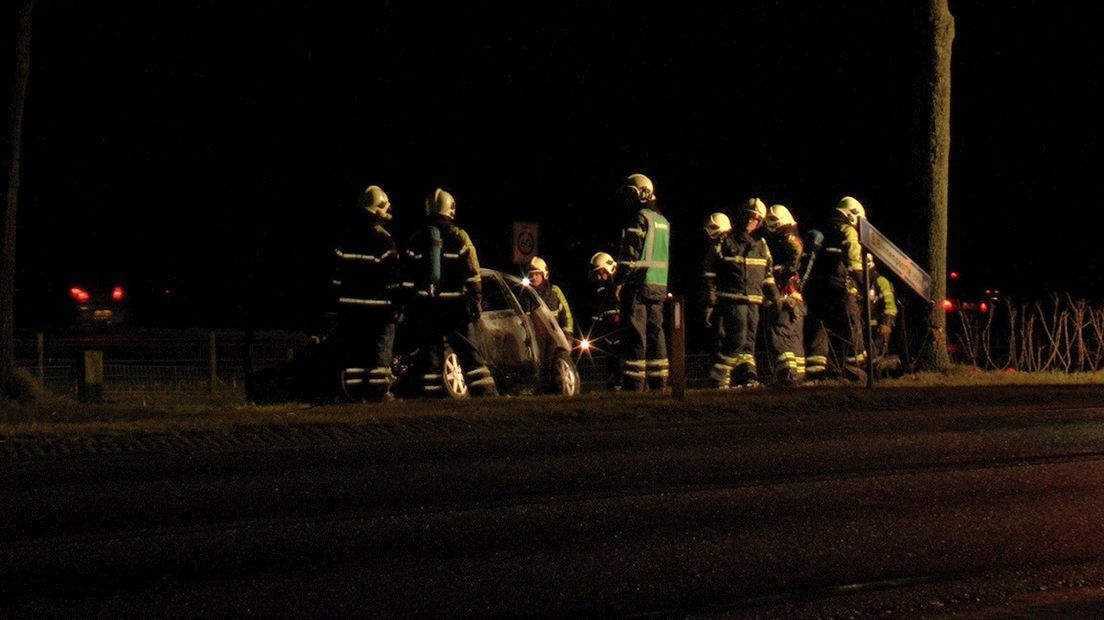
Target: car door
(505, 335)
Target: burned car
(525, 349)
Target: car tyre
(452, 375)
(564, 376)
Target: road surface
(990, 513)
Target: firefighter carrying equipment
(441, 203)
(375, 202)
(718, 225)
(778, 216)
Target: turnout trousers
(442, 323)
(737, 324)
(833, 336)
(368, 338)
(787, 338)
(643, 344)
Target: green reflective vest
(657, 249)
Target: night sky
(214, 147)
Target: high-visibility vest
(657, 249)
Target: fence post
(90, 387)
(677, 350)
(214, 362)
(40, 350)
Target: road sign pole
(868, 335)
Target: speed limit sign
(525, 241)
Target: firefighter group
(757, 268)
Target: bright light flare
(584, 345)
(525, 281)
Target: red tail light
(117, 293)
(983, 307)
(78, 294)
(948, 305)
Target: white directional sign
(895, 259)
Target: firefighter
(641, 278)
(787, 317)
(442, 273)
(833, 329)
(366, 275)
(738, 277)
(603, 334)
(551, 294)
(883, 311)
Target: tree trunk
(941, 30)
(10, 382)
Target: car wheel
(452, 374)
(565, 376)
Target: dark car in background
(526, 350)
(97, 304)
(80, 304)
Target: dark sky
(214, 146)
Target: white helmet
(375, 201)
(718, 225)
(851, 209)
(640, 187)
(603, 262)
(538, 264)
(777, 217)
(441, 202)
(756, 206)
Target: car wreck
(525, 348)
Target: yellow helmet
(640, 188)
(603, 262)
(718, 225)
(756, 207)
(375, 201)
(777, 217)
(851, 209)
(538, 264)
(441, 202)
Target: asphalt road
(989, 513)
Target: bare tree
(941, 29)
(10, 383)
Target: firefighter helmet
(603, 262)
(851, 209)
(639, 188)
(538, 265)
(777, 217)
(756, 207)
(441, 203)
(375, 201)
(718, 225)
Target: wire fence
(175, 363)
